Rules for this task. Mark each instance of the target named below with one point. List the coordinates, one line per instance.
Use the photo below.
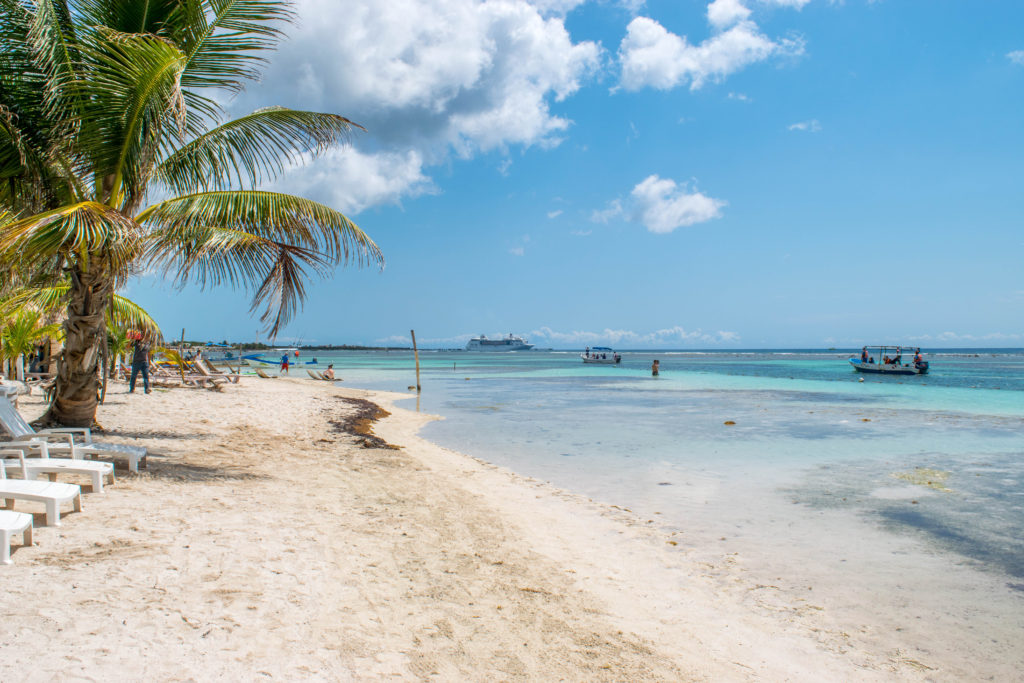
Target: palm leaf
(268, 215)
(251, 149)
(84, 228)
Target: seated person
(329, 372)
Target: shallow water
(812, 465)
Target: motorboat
(889, 361)
(509, 343)
(601, 355)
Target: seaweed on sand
(359, 423)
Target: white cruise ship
(509, 343)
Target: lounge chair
(31, 468)
(62, 440)
(314, 374)
(12, 522)
(259, 371)
(50, 493)
(207, 368)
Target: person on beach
(284, 364)
(329, 372)
(654, 369)
(140, 362)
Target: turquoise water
(805, 429)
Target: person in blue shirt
(284, 364)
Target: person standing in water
(654, 369)
(284, 364)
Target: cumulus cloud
(661, 205)
(812, 126)
(1017, 57)
(652, 56)
(666, 337)
(351, 181)
(430, 78)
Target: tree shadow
(183, 472)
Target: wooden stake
(181, 355)
(416, 353)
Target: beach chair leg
(52, 513)
(26, 536)
(52, 476)
(5, 546)
(78, 502)
(8, 503)
(97, 482)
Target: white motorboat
(601, 355)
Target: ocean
(901, 491)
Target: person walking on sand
(140, 362)
(284, 364)
(654, 369)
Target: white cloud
(667, 337)
(1017, 57)
(739, 97)
(429, 78)
(722, 13)
(811, 126)
(517, 251)
(582, 233)
(351, 181)
(662, 206)
(554, 214)
(651, 56)
(613, 211)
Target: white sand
(260, 545)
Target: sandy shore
(264, 543)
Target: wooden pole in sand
(181, 355)
(416, 354)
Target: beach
(265, 540)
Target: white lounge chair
(50, 493)
(31, 468)
(12, 522)
(62, 440)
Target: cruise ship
(509, 343)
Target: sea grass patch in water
(729, 422)
(925, 476)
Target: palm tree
(20, 336)
(105, 104)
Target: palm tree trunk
(78, 380)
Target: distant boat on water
(509, 343)
(888, 364)
(601, 355)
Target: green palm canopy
(115, 157)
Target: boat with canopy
(890, 361)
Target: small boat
(888, 364)
(509, 343)
(601, 355)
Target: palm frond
(124, 313)
(80, 229)
(251, 149)
(268, 215)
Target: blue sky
(740, 173)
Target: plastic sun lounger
(259, 371)
(51, 494)
(31, 468)
(62, 440)
(314, 374)
(12, 522)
